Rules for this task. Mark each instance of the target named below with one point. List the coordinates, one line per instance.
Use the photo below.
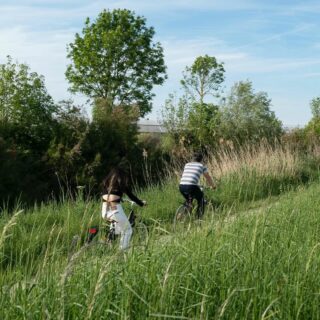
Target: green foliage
(204, 122)
(315, 107)
(117, 60)
(111, 135)
(27, 126)
(312, 132)
(64, 154)
(312, 129)
(26, 108)
(175, 116)
(246, 116)
(306, 139)
(24, 176)
(191, 125)
(190, 121)
(203, 78)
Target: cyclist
(189, 183)
(115, 184)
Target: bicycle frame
(111, 235)
(189, 202)
(186, 210)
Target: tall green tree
(27, 125)
(25, 106)
(246, 115)
(117, 59)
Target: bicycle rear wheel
(140, 234)
(182, 219)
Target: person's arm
(134, 198)
(209, 180)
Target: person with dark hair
(189, 183)
(115, 185)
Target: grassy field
(256, 255)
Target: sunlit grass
(255, 256)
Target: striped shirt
(192, 172)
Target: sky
(275, 44)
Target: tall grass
(264, 158)
(260, 263)
(263, 264)
(259, 171)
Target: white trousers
(122, 224)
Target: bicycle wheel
(182, 219)
(140, 234)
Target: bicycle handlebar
(130, 201)
(202, 187)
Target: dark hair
(197, 156)
(117, 179)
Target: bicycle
(140, 233)
(184, 214)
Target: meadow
(255, 255)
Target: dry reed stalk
(263, 158)
(10, 224)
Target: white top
(192, 172)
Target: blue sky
(275, 44)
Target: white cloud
(312, 75)
(180, 53)
(33, 16)
(38, 11)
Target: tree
(25, 106)
(315, 107)
(312, 129)
(65, 151)
(175, 113)
(190, 120)
(246, 116)
(204, 121)
(117, 60)
(110, 137)
(203, 78)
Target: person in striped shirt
(189, 183)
